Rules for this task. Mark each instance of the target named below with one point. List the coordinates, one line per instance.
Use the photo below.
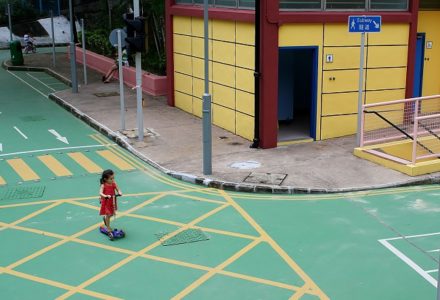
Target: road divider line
(54, 165)
(22, 169)
(85, 162)
(36, 79)
(20, 132)
(55, 149)
(28, 84)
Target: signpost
(362, 24)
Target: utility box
(16, 53)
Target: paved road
(372, 245)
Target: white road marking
(432, 271)
(408, 261)
(27, 83)
(57, 149)
(19, 131)
(435, 250)
(35, 78)
(1, 147)
(413, 236)
(58, 136)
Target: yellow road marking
(115, 160)
(22, 169)
(54, 165)
(2, 181)
(55, 284)
(201, 199)
(275, 246)
(206, 276)
(85, 162)
(35, 213)
(301, 292)
(140, 252)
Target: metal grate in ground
(20, 193)
(185, 237)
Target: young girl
(107, 193)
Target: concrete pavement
(173, 141)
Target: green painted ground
(373, 245)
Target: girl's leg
(107, 222)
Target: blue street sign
(364, 23)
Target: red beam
(169, 52)
(412, 44)
(340, 17)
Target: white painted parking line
(21, 133)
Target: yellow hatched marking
(22, 169)
(2, 181)
(54, 165)
(114, 159)
(85, 162)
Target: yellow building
(304, 83)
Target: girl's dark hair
(105, 175)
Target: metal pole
(72, 52)
(53, 38)
(207, 134)
(140, 114)
(41, 6)
(121, 81)
(10, 22)
(59, 7)
(83, 34)
(361, 88)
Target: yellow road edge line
(54, 165)
(208, 275)
(201, 199)
(295, 267)
(85, 162)
(2, 181)
(139, 253)
(115, 160)
(36, 213)
(22, 169)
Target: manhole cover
(245, 165)
(106, 94)
(266, 178)
(33, 118)
(20, 193)
(185, 237)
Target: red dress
(107, 206)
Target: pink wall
(151, 84)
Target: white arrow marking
(19, 131)
(58, 136)
(376, 25)
(1, 147)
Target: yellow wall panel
(429, 24)
(245, 102)
(183, 101)
(223, 30)
(182, 44)
(300, 35)
(245, 126)
(224, 74)
(245, 33)
(223, 52)
(223, 117)
(245, 56)
(393, 78)
(199, 87)
(197, 107)
(182, 25)
(183, 63)
(391, 34)
(245, 80)
(198, 70)
(387, 56)
(383, 96)
(198, 27)
(340, 103)
(344, 81)
(198, 47)
(224, 96)
(343, 58)
(338, 35)
(183, 83)
(337, 126)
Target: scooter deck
(117, 233)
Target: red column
(269, 74)
(414, 9)
(169, 51)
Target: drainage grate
(33, 118)
(106, 94)
(266, 178)
(185, 237)
(20, 193)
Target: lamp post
(72, 52)
(207, 127)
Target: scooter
(116, 233)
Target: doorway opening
(297, 89)
(419, 63)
